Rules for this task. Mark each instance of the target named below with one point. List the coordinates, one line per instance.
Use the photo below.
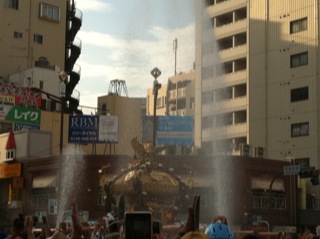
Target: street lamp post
(156, 86)
(63, 78)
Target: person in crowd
(45, 232)
(218, 229)
(318, 230)
(22, 228)
(77, 229)
(17, 228)
(282, 235)
(307, 234)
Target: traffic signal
(306, 172)
(315, 177)
(310, 172)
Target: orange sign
(10, 170)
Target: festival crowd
(109, 227)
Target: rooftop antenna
(175, 48)
(117, 86)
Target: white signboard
(108, 129)
(291, 170)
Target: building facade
(256, 80)
(180, 94)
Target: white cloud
(93, 5)
(107, 58)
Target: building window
(300, 129)
(104, 109)
(262, 200)
(298, 25)
(10, 154)
(300, 59)
(38, 38)
(304, 162)
(17, 35)
(299, 94)
(11, 4)
(41, 83)
(49, 12)
(159, 102)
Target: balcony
(225, 106)
(172, 95)
(224, 132)
(226, 7)
(226, 80)
(231, 29)
(182, 92)
(233, 53)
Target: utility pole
(175, 48)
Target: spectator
(307, 233)
(17, 228)
(22, 228)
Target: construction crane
(117, 86)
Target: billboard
(93, 129)
(11, 94)
(175, 130)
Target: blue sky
(125, 40)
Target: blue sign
(175, 130)
(93, 129)
(18, 126)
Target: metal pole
(154, 119)
(64, 78)
(61, 124)
(156, 86)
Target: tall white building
(257, 78)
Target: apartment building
(176, 98)
(39, 35)
(180, 94)
(256, 79)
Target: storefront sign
(10, 170)
(17, 182)
(24, 115)
(7, 100)
(23, 95)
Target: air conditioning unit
(244, 149)
(259, 152)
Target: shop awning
(264, 184)
(46, 181)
